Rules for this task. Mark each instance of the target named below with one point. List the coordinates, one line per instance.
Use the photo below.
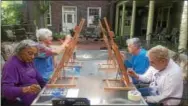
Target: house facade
(64, 15)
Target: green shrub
(121, 42)
(57, 36)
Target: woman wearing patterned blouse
(44, 61)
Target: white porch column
(117, 19)
(123, 20)
(150, 21)
(133, 19)
(183, 27)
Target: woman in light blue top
(44, 61)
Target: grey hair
(135, 41)
(159, 52)
(23, 44)
(43, 33)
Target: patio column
(112, 14)
(122, 21)
(183, 28)
(117, 19)
(150, 21)
(168, 20)
(133, 19)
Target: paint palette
(51, 91)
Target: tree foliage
(11, 13)
(42, 8)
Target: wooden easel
(75, 38)
(65, 60)
(111, 63)
(122, 68)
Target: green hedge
(57, 36)
(120, 41)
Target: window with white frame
(49, 17)
(93, 16)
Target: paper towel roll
(134, 95)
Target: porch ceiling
(145, 3)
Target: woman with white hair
(20, 81)
(44, 61)
(165, 78)
(139, 61)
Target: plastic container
(134, 95)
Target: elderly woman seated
(139, 61)
(164, 76)
(20, 80)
